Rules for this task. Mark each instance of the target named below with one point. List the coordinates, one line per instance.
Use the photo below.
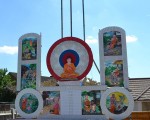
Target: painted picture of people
(29, 48)
(116, 102)
(112, 43)
(51, 103)
(114, 73)
(28, 76)
(29, 103)
(91, 102)
(69, 70)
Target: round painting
(29, 103)
(69, 59)
(117, 102)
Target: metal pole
(61, 18)
(83, 20)
(71, 17)
(84, 33)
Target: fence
(7, 111)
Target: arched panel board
(113, 57)
(29, 61)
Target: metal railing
(7, 111)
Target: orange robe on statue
(113, 42)
(87, 105)
(112, 108)
(69, 71)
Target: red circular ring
(69, 39)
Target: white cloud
(131, 38)
(9, 49)
(91, 40)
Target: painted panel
(91, 102)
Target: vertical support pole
(61, 18)
(83, 13)
(71, 17)
(83, 20)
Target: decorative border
(36, 61)
(120, 57)
(40, 100)
(69, 39)
(117, 116)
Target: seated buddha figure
(69, 70)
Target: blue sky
(18, 17)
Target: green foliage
(5, 79)
(31, 84)
(33, 66)
(108, 83)
(121, 84)
(91, 94)
(109, 70)
(84, 93)
(7, 95)
(107, 39)
(6, 83)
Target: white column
(70, 102)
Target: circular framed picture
(117, 103)
(29, 103)
(69, 59)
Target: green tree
(7, 93)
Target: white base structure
(70, 102)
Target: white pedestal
(70, 102)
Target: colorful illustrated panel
(116, 102)
(91, 102)
(28, 76)
(29, 48)
(29, 103)
(112, 43)
(51, 103)
(114, 73)
(69, 59)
